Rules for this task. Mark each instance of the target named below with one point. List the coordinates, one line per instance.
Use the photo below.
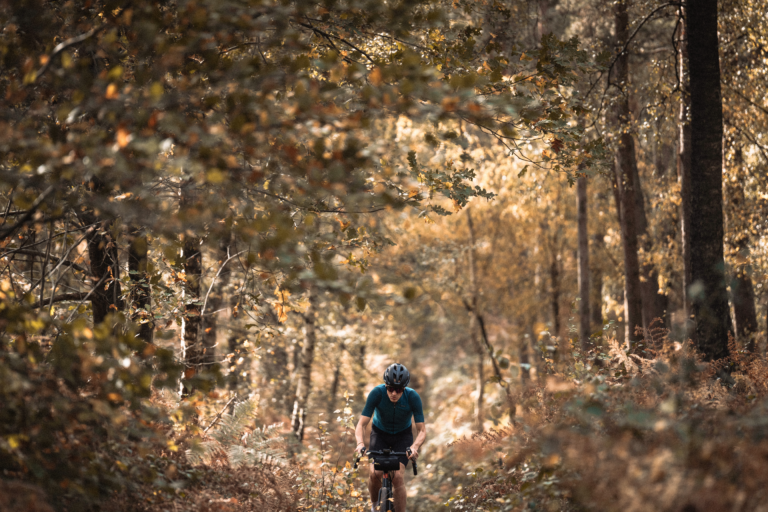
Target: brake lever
(358, 456)
(409, 452)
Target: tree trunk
(479, 413)
(707, 293)
(684, 167)
(554, 274)
(140, 296)
(102, 252)
(334, 387)
(104, 262)
(625, 173)
(654, 303)
(596, 284)
(216, 301)
(362, 377)
(192, 349)
(525, 359)
(307, 357)
(238, 360)
(584, 330)
(745, 312)
(473, 324)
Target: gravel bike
(387, 461)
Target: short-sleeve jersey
(393, 417)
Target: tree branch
(5, 233)
(624, 49)
(313, 209)
(481, 322)
(329, 36)
(218, 416)
(64, 297)
(65, 263)
(213, 281)
(751, 138)
(740, 95)
(67, 44)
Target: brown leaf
(375, 76)
(123, 137)
(112, 93)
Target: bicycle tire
(383, 500)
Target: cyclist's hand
(360, 448)
(414, 453)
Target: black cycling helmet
(397, 375)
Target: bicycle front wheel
(385, 500)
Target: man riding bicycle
(392, 405)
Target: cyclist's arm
(374, 397)
(360, 431)
(421, 436)
(418, 419)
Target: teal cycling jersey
(393, 417)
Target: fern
(232, 442)
(261, 447)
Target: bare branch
(65, 263)
(481, 322)
(67, 44)
(5, 233)
(313, 209)
(329, 36)
(740, 95)
(213, 281)
(64, 297)
(218, 416)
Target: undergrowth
(656, 430)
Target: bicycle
(387, 461)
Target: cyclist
(392, 405)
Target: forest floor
(611, 431)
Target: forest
(222, 220)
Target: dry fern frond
(621, 357)
(236, 445)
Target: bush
(619, 431)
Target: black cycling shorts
(399, 442)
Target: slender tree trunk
(473, 324)
(745, 312)
(654, 304)
(31, 260)
(596, 284)
(626, 171)
(584, 330)
(707, 293)
(480, 413)
(362, 378)
(524, 355)
(103, 256)
(235, 364)
(216, 302)
(536, 358)
(140, 296)
(102, 252)
(553, 294)
(684, 166)
(193, 352)
(334, 386)
(305, 383)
